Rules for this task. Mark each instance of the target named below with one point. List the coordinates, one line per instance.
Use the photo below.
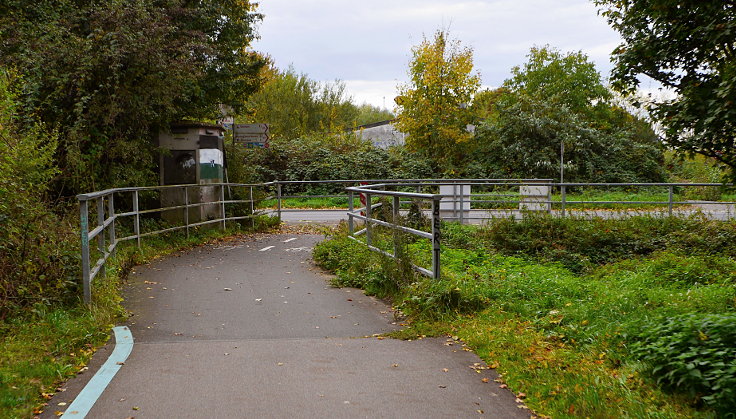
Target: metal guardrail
(104, 229)
(434, 235)
(105, 232)
(455, 208)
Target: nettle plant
(695, 353)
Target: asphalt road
(251, 329)
(713, 211)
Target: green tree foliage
(568, 80)
(432, 107)
(368, 114)
(687, 47)
(108, 75)
(337, 156)
(37, 262)
(557, 99)
(295, 105)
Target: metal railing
(194, 211)
(497, 198)
(456, 206)
(434, 236)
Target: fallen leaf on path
(445, 370)
(485, 380)
(228, 289)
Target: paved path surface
(251, 329)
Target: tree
(368, 114)
(295, 105)
(687, 47)
(432, 107)
(556, 99)
(568, 79)
(108, 75)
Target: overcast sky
(367, 44)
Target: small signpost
(251, 135)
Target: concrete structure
(192, 153)
(456, 206)
(535, 198)
(382, 134)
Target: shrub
(38, 256)
(695, 353)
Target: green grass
(45, 346)
(310, 203)
(559, 329)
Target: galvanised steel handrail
(379, 189)
(368, 181)
(107, 218)
(106, 213)
(434, 236)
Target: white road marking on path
(289, 240)
(266, 248)
(298, 249)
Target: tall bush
(38, 260)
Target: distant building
(382, 134)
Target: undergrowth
(585, 317)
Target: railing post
(351, 208)
(436, 235)
(368, 211)
(111, 214)
(186, 209)
(84, 230)
(252, 210)
(563, 193)
(278, 199)
(222, 206)
(101, 235)
(669, 202)
(395, 210)
(137, 221)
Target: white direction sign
(251, 135)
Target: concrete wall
(382, 135)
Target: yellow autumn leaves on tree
(434, 107)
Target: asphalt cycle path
(250, 328)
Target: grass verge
(45, 346)
(568, 310)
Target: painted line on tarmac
(289, 240)
(266, 248)
(81, 406)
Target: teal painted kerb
(81, 406)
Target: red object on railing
(362, 198)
